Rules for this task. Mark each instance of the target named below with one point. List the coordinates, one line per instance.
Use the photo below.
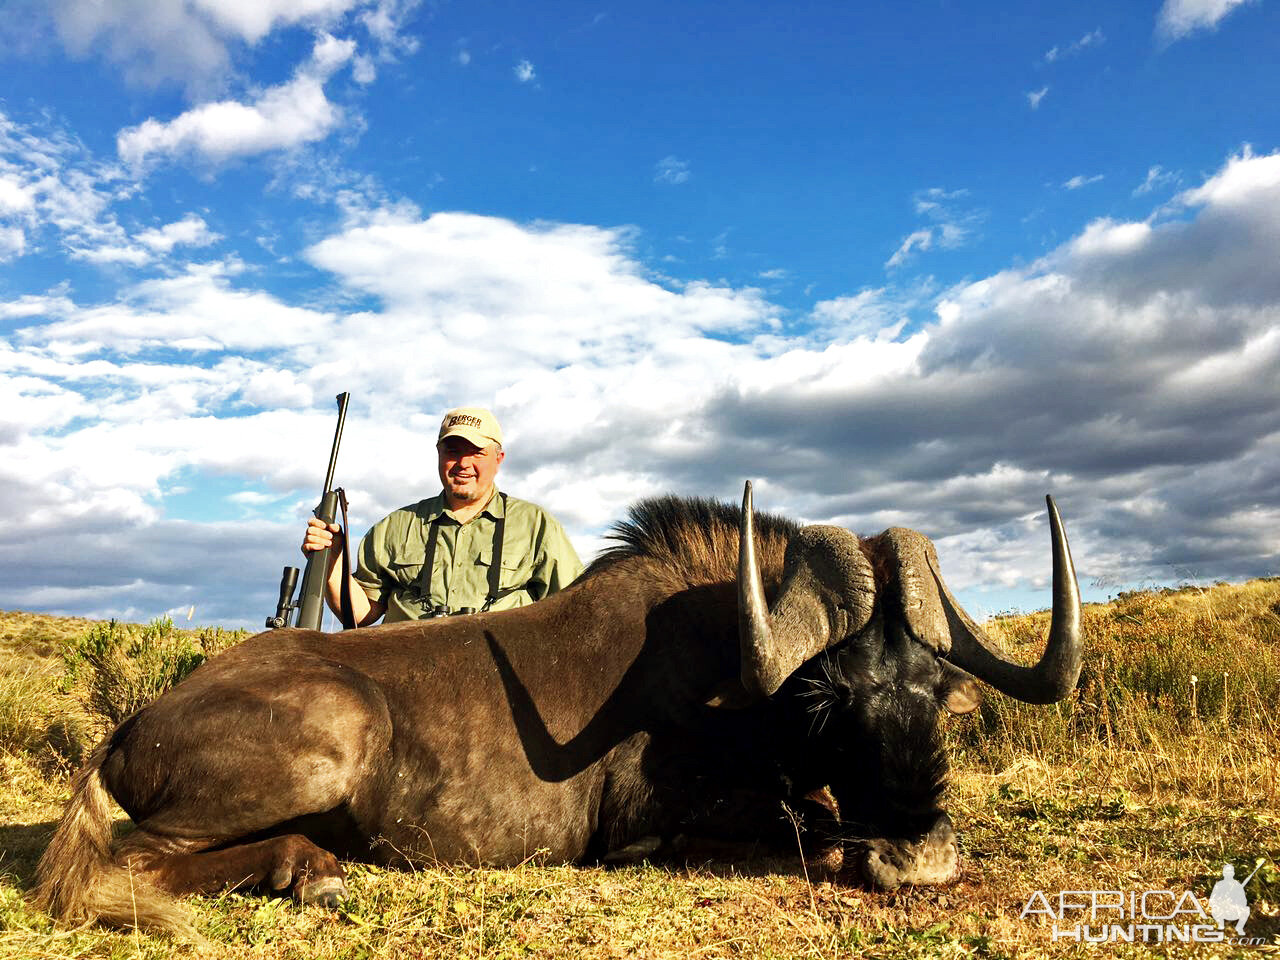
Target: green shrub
(26, 701)
(116, 669)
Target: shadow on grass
(21, 845)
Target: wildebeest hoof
(280, 877)
(325, 892)
(636, 852)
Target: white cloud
(1079, 180)
(1157, 178)
(1179, 18)
(155, 41)
(952, 235)
(463, 57)
(190, 231)
(49, 184)
(254, 19)
(1035, 96)
(870, 313)
(363, 70)
(15, 197)
(454, 272)
(13, 242)
(385, 19)
(106, 253)
(1109, 372)
(166, 419)
(918, 240)
(671, 169)
(954, 224)
(283, 117)
(1239, 184)
(197, 312)
(33, 305)
(1092, 39)
(190, 42)
(524, 71)
(936, 202)
(1107, 237)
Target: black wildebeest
(697, 676)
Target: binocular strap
(495, 564)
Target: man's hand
(321, 535)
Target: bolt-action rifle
(310, 602)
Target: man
(467, 549)
(1228, 900)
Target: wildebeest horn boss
(708, 668)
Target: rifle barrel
(342, 399)
(311, 598)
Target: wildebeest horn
(935, 618)
(827, 593)
(755, 632)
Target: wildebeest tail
(78, 880)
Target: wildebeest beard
(875, 739)
(854, 744)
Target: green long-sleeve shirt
(537, 557)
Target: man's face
(467, 471)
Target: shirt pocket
(405, 554)
(515, 570)
(406, 573)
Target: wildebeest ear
(957, 692)
(913, 589)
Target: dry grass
(1145, 781)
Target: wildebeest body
(481, 738)
(639, 701)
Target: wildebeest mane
(694, 539)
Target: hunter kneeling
(470, 548)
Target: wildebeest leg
(639, 850)
(289, 862)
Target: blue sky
(911, 266)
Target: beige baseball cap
(474, 424)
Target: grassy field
(1159, 771)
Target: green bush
(116, 669)
(25, 705)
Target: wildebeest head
(871, 628)
(829, 593)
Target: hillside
(1158, 771)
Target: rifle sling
(495, 564)
(347, 612)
